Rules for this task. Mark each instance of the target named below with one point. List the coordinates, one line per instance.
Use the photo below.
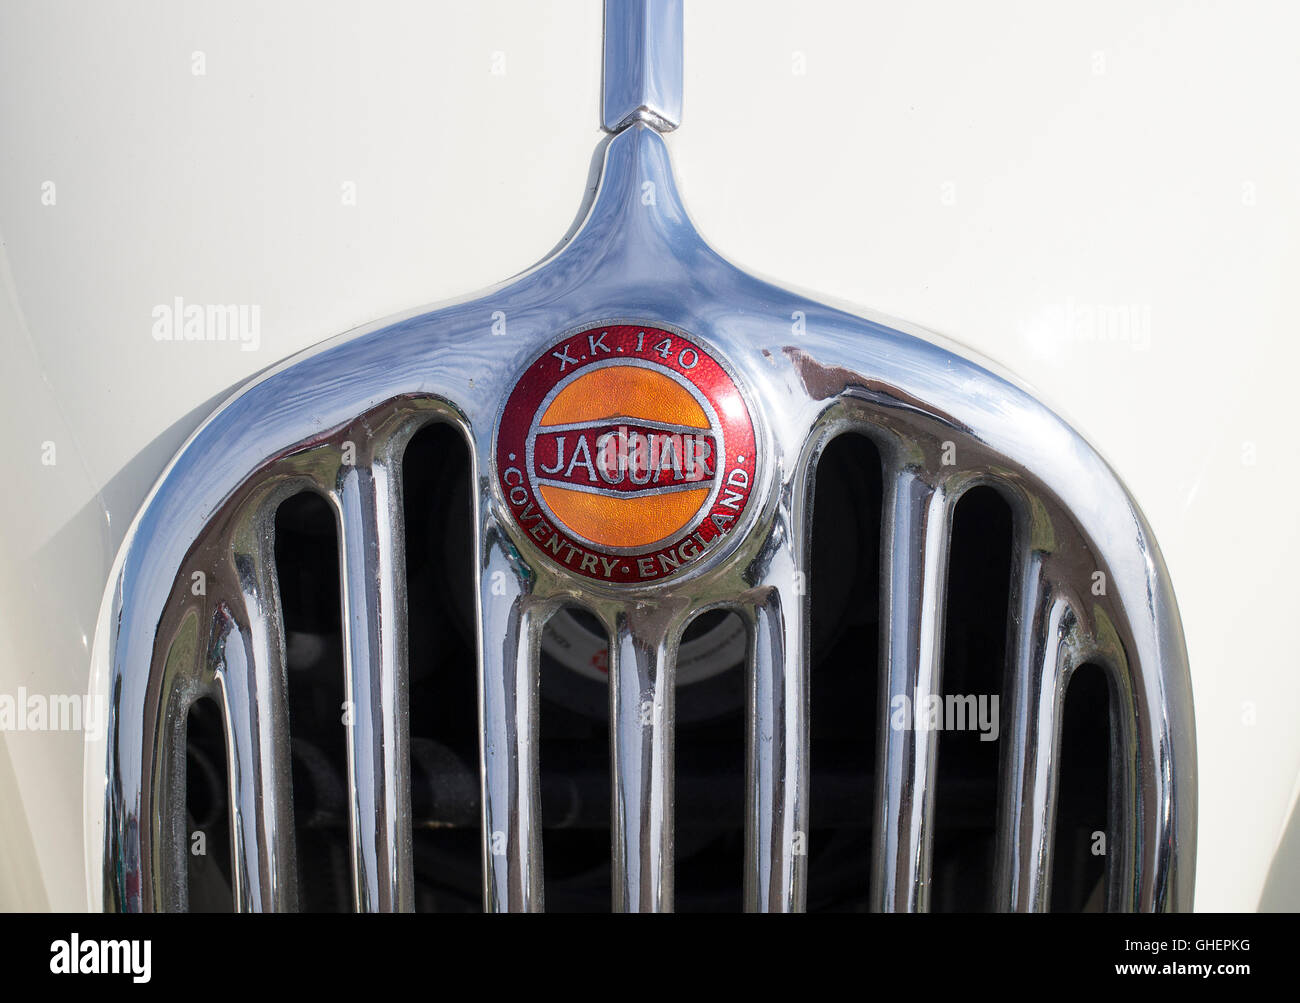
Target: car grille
(194, 613)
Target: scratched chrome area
(636, 255)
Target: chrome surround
(814, 372)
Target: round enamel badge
(627, 453)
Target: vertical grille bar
(1134, 885)
(249, 669)
(164, 887)
(776, 816)
(914, 565)
(375, 646)
(508, 677)
(642, 708)
(1037, 676)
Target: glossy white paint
(1098, 197)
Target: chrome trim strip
(913, 572)
(250, 680)
(642, 708)
(509, 638)
(776, 815)
(643, 64)
(1037, 677)
(777, 735)
(372, 573)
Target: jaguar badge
(627, 453)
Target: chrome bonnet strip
(643, 64)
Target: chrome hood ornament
(645, 421)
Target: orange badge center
(613, 393)
(626, 453)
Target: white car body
(1099, 198)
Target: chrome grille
(336, 420)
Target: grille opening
(207, 810)
(307, 568)
(1083, 795)
(844, 592)
(710, 774)
(709, 753)
(974, 659)
(574, 763)
(439, 522)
